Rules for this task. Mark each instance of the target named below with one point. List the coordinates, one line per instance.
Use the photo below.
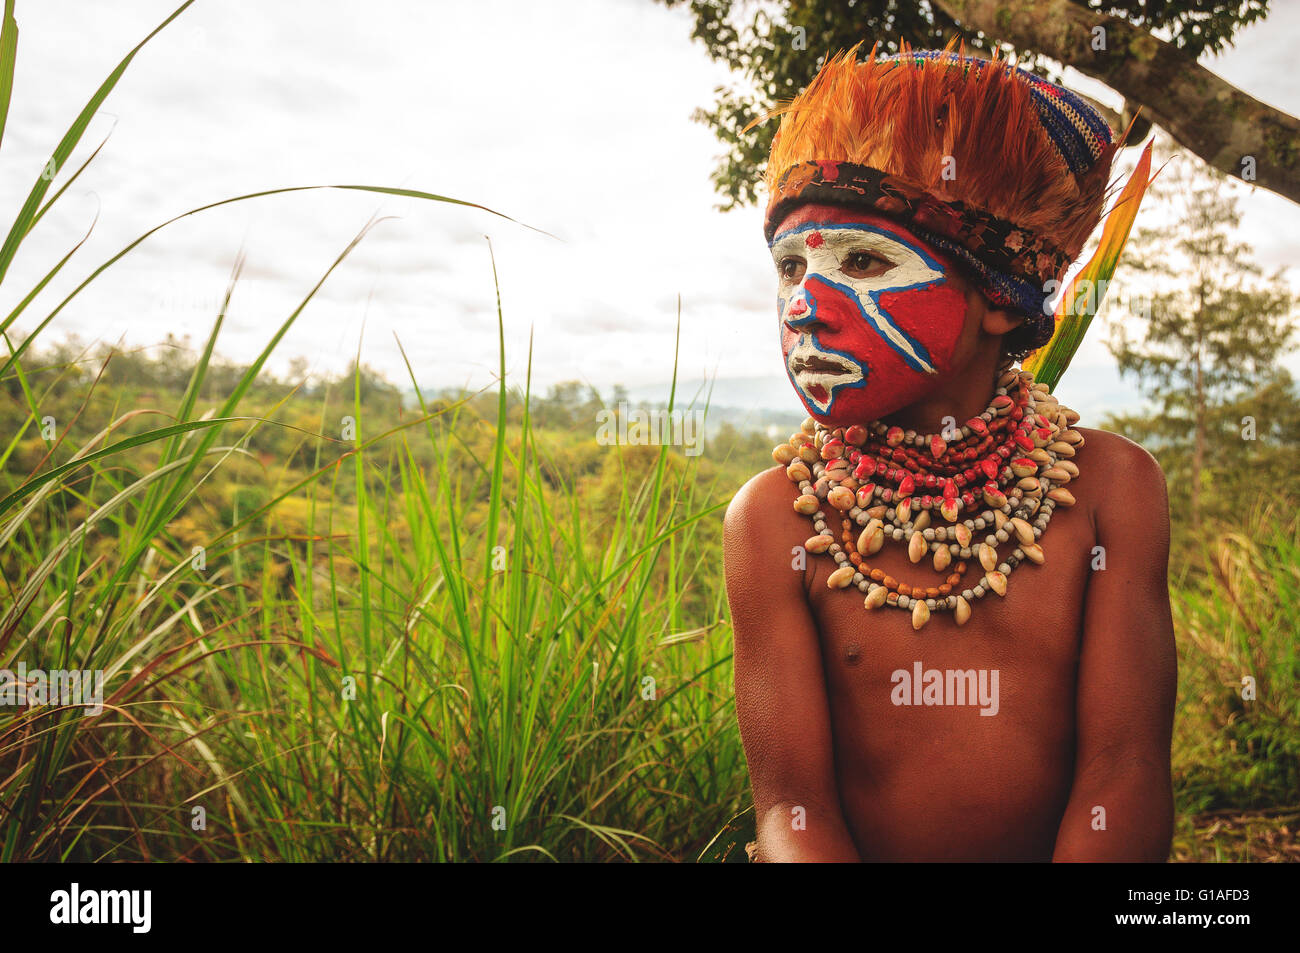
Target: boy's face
(870, 315)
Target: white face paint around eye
(832, 245)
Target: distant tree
(570, 406)
(1207, 354)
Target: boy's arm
(780, 686)
(1127, 679)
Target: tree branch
(1229, 129)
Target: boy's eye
(791, 269)
(861, 264)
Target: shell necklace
(1004, 471)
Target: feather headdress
(1001, 169)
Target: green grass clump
(420, 646)
(1238, 626)
(441, 634)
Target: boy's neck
(964, 395)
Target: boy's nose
(800, 313)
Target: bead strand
(1017, 453)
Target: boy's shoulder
(755, 500)
(760, 525)
(1120, 480)
(1112, 449)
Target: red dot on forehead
(815, 240)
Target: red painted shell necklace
(1004, 471)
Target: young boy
(923, 208)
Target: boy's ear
(993, 320)
(998, 321)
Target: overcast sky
(570, 116)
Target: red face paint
(860, 344)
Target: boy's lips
(819, 365)
(818, 374)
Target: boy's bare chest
(1003, 684)
(1012, 667)
(950, 722)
